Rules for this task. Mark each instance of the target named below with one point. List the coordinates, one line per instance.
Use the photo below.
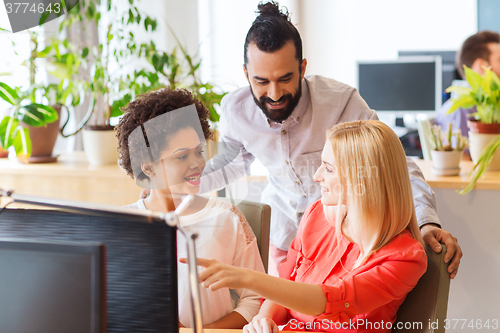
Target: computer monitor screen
(52, 287)
(449, 68)
(141, 263)
(403, 85)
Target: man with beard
(281, 119)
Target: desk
(473, 218)
(71, 178)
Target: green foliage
(484, 93)
(444, 142)
(482, 164)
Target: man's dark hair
(151, 105)
(475, 47)
(271, 30)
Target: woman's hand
(261, 325)
(217, 275)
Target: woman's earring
(148, 170)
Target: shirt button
(304, 196)
(287, 162)
(298, 183)
(299, 214)
(283, 131)
(346, 305)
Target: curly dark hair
(146, 107)
(271, 30)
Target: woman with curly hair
(161, 138)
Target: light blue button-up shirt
(291, 151)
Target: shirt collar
(299, 110)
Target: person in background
(358, 251)
(478, 52)
(161, 139)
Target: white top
(225, 235)
(291, 151)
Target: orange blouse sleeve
(391, 279)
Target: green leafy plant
(28, 106)
(482, 164)
(484, 93)
(110, 90)
(443, 141)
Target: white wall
(337, 33)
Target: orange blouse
(364, 299)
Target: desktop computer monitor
(405, 85)
(52, 287)
(141, 261)
(449, 68)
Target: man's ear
(246, 73)
(303, 68)
(479, 64)
(148, 169)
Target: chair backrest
(424, 126)
(258, 216)
(424, 309)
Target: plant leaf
(473, 78)
(22, 144)
(459, 90)
(8, 94)
(7, 129)
(38, 115)
(464, 101)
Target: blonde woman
(358, 251)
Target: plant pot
(43, 140)
(479, 127)
(446, 163)
(100, 145)
(4, 153)
(480, 135)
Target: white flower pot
(446, 163)
(100, 146)
(477, 142)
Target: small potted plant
(445, 157)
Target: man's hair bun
(271, 9)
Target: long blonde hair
(375, 184)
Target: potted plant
(484, 94)
(112, 89)
(484, 130)
(445, 157)
(30, 119)
(33, 121)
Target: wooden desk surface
(71, 178)
(489, 181)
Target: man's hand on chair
(433, 236)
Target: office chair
(428, 301)
(258, 216)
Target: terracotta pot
(43, 140)
(100, 145)
(479, 127)
(4, 153)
